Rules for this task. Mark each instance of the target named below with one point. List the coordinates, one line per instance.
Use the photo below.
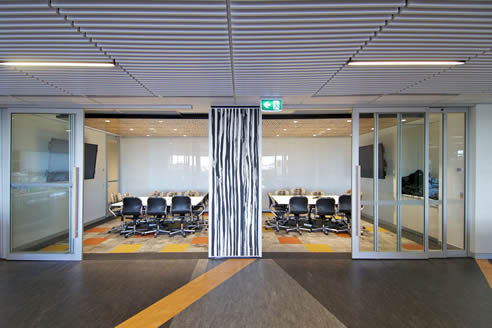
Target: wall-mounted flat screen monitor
(59, 160)
(90, 157)
(366, 160)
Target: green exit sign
(271, 105)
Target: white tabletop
(284, 200)
(194, 201)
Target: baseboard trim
(481, 256)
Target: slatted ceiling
(15, 83)
(90, 81)
(299, 44)
(474, 77)
(170, 47)
(183, 48)
(416, 34)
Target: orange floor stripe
(200, 240)
(98, 229)
(163, 310)
(93, 241)
(289, 240)
(412, 247)
(486, 268)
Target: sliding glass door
(409, 172)
(42, 184)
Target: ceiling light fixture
(285, 129)
(329, 129)
(57, 64)
(160, 121)
(348, 121)
(131, 129)
(314, 135)
(405, 63)
(296, 121)
(148, 135)
(404, 120)
(278, 135)
(184, 135)
(107, 121)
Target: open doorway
(156, 163)
(306, 163)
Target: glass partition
(41, 170)
(455, 179)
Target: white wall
(481, 181)
(321, 163)
(163, 164)
(95, 189)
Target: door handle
(75, 202)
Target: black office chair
(181, 210)
(279, 211)
(132, 206)
(345, 211)
(156, 213)
(298, 206)
(325, 211)
(198, 211)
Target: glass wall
(455, 179)
(113, 146)
(407, 185)
(41, 162)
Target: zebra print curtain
(235, 193)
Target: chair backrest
(119, 198)
(173, 193)
(325, 206)
(298, 191)
(205, 200)
(181, 205)
(156, 206)
(317, 193)
(127, 194)
(282, 192)
(298, 205)
(345, 204)
(131, 206)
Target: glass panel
(40, 182)
(388, 182)
(455, 180)
(387, 232)
(412, 158)
(113, 145)
(412, 221)
(366, 158)
(435, 178)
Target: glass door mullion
(398, 184)
(376, 182)
(426, 183)
(444, 184)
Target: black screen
(366, 160)
(90, 157)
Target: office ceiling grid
(245, 48)
(424, 30)
(293, 47)
(35, 30)
(171, 47)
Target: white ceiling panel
(231, 49)
(294, 47)
(173, 48)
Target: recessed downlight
(405, 63)
(329, 129)
(296, 121)
(132, 129)
(107, 121)
(57, 64)
(348, 121)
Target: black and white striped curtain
(235, 193)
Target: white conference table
(284, 200)
(194, 201)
